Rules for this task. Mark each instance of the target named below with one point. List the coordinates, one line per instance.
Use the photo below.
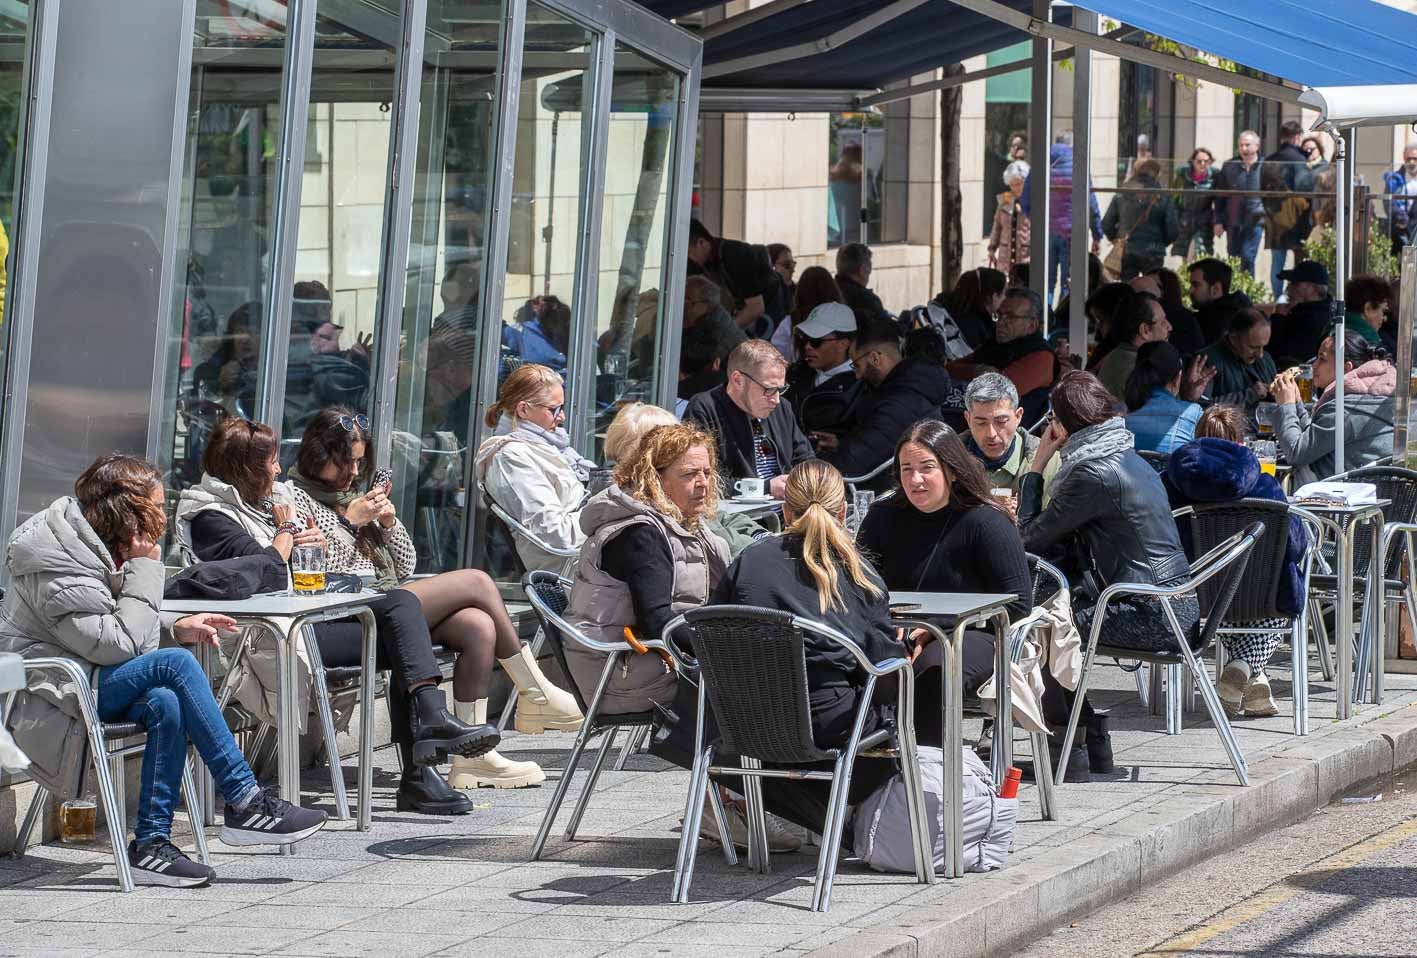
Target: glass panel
(639, 173)
(228, 189)
(438, 358)
(13, 22)
(857, 154)
(332, 321)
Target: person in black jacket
(241, 457)
(1212, 298)
(1186, 333)
(822, 386)
(756, 433)
(899, 392)
(1307, 319)
(814, 570)
(853, 272)
(1114, 502)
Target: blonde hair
(816, 496)
(629, 427)
(754, 356)
(660, 448)
(527, 383)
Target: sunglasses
(349, 422)
(767, 390)
(816, 342)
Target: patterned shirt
(764, 455)
(341, 554)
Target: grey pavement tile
(581, 928)
(729, 932)
(313, 917)
(221, 939)
(423, 871)
(477, 899)
(76, 934)
(409, 920)
(370, 944)
(510, 948)
(36, 905)
(678, 949)
(132, 909)
(271, 867)
(341, 894)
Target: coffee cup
(749, 488)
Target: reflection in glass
(13, 19)
(228, 188)
(438, 357)
(638, 178)
(333, 314)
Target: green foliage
(1381, 261)
(1252, 286)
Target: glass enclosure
(14, 24)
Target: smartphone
(382, 477)
(905, 607)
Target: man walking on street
(1289, 217)
(1241, 218)
(1402, 182)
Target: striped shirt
(764, 455)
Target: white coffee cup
(749, 488)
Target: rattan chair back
(1156, 460)
(1257, 595)
(1398, 485)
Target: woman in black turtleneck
(942, 531)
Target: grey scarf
(554, 438)
(1102, 441)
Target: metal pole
(676, 242)
(1340, 276)
(1406, 314)
(1039, 134)
(1082, 166)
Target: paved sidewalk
(417, 885)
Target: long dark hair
(326, 441)
(972, 292)
(1157, 364)
(814, 287)
(237, 453)
(969, 486)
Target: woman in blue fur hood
(1216, 469)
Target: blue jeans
(1245, 243)
(1059, 262)
(167, 692)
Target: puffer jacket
(1060, 194)
(1307, 441)
(538, 489)
(67, 599)
(913, 391)
(1117, 506)
(601, 606)
(1218, 470)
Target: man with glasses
(756, 432)
(1018, 350)
(1402, 182)
(898, 392)
(822, 386)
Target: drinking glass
(307, 569)
(78, 821)
(861, 500)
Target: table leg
(1343, 640)
(288, 721)
(366, 720)
(1379, 643)
(1003, 753)
(953, 810)
(206, 786)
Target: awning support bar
(821, 45)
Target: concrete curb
(994, 913)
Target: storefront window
(13, 19)
(856, 177)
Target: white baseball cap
(826, 319)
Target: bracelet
(289, 527)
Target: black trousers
(404, 648)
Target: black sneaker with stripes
(162, 863)
(270, 820)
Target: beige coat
(537, 489)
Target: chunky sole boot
(437, 733)
(1099, 745)
(490, 770)
(541, 706)
(422, 790)
(1079, 766)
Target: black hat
(1306, 272)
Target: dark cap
(1306, 272)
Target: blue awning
(1307, 42)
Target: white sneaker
(1259, 701)
(1231, 687)
(779, 839)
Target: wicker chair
(1258, 595)
(549, 595)
(109, 743)
(753, 669)
(1229, 558)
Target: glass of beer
(1305, 381)
(78, 821)
(1266, 451)
(307, 569)
(1264, 418)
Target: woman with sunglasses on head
(529, 467)
(463, 609)
(240, 510)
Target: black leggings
(404, 647)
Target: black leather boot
(437, 732)
(423, 790)
(1099, 745)
(1079, 767)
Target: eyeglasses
(349, 422)
(767, 390)
(1012, 315)
(555, 410)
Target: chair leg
(1071, 732)
(194, 813)
(1158, 690)
(759, 857)
(918, 809)
(1043, 768)
(1173, 700)
(321, 692)
(632, 745)
(1142, 674)
(831, 835)
(725, 837)
(1316, 620)
(120, 782)
(689, 836)
(112, 811)
(1299, 672)
(22, 837)
(559, 796)
(584, 800)
(1212, 700)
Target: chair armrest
(850, 480)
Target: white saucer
(752, 500)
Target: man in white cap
(822, 385)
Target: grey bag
(882, 824)
(59, 763)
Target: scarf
(554, 438)
(368, 539)
(990, 465)
(1102, 441)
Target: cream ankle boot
(540, 705)
(489, 770)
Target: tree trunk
(951, 220)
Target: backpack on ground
(882, 825)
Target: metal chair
(1230, 558)
(753, 668)
(549, 594)
(1258, 595)
(853, 481)
(109, 743)
(1156, 460)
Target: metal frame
(1081, 244)
(38, 92)
(297, 64)
(1040, 125)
